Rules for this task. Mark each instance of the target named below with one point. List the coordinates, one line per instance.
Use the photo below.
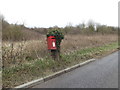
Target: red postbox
(51, 41)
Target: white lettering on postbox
(53, 43)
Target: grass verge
(21, 74)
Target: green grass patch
(21, 74)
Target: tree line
(15, 32)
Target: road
(102, 73)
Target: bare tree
(91, 24)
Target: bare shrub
(77, 42)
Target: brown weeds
(16, 53)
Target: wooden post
(58, 54)
(55, 54)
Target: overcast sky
(47, 13)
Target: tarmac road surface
(102, 73)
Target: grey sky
(46, 13)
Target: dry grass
(25, 52)
(76, 42)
